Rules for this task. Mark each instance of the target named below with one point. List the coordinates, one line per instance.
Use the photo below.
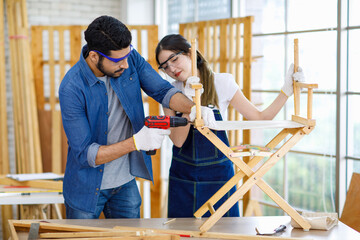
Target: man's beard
(115, 74)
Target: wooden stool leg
(57, 211)
(255, 177)
(238, 176)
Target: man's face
(110, 66)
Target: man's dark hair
(106, 33)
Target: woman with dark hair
(198, 168)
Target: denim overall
(198, 170)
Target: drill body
(164, 122)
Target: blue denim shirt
(84, 106)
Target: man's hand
(288, 88)
(207, 115)
(149, 138)
(188, 91)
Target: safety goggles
(115, 60)
(164, 65)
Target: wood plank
(351, 212)
(139, 41)
(154, 110)
(304, 121)
(75, 44)
(201, 37)
(46, 184)
(24, 83)
(208, 52)
(296, 87)
(86, 234)
(236, 140)
(13, 232)
(306, 85)
(17, 105)
(37, 56)
(247, 46)
(309, 103)
(198, 234)
(215, 46)
(58, 227)
(56, 165)
(4, 146)
(134, 237)
(223, 38)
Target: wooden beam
(46, 184)
(198, 234)
(296, 87)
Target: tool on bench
(164, 122)
(266, 232)
(34, 231)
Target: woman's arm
(251, 112)
(178, 135)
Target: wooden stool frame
(304, 127)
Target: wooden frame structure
(298, 128)
(54, 50)
(226, 44)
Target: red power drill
(164, 122)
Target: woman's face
(175, 64)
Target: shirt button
(101, 170)
(97, 189)
(130, 78)
(95, 193)
(105, 132)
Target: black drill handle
(151, 152)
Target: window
(195, 10)
(308, 175)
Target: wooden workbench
(239, 225)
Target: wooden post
(6, 210)
(4, 153)
(247, 90)
(198, 120)
(193, 57)
(296, 88)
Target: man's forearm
(108, 153)
(180, 103)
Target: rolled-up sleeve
(166, 101)
(91, 154)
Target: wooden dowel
(296, 88)
(193, 57)
(309, 103)
(211, 208)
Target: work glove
(149, 138)
(188, 91)
(288, 88)
(207, 115)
